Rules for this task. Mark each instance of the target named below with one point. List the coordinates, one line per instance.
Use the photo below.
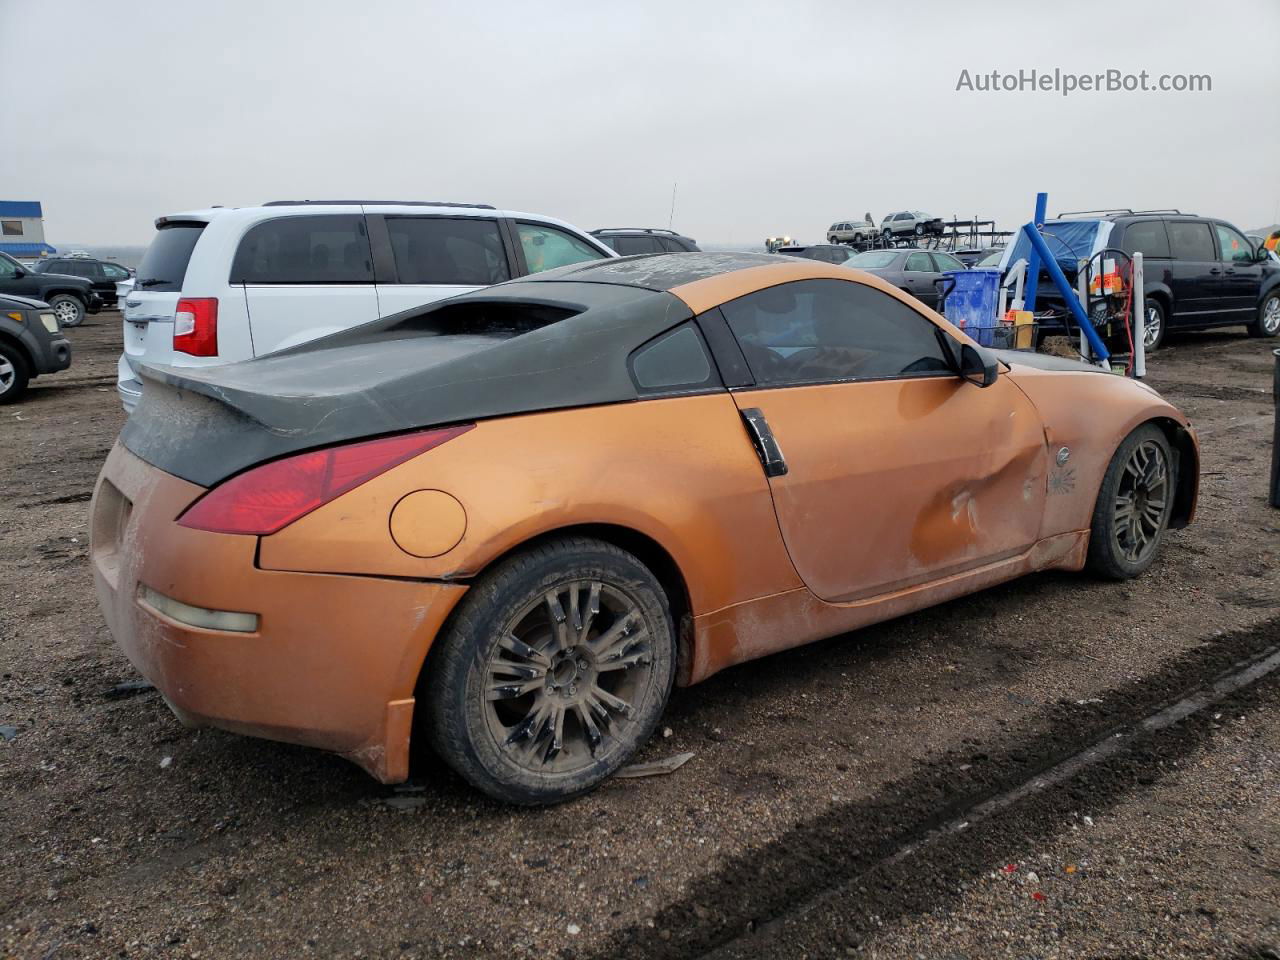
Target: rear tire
(1131, 516)
(14, 375)
(919, 230)
(68, 309)
(1268, 322)
(1157, 321)
(552, 673)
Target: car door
(918, 274)
(887, 470)
(544, 247)
(1194, 274)
(305, 277)
(1241, 278)
(435, 257)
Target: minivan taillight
(268, 498)
(195, 326)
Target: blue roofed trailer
(22, 230)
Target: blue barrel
(972, 303)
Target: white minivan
(227, 284)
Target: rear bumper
(332, 664)
(130, 392)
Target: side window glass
(114, 272)
(945, 261)
(813, 331)
(314, 249)
(8, 269)
(1191, 240)
(461, 251)
(546, 248)
(1233, 245)
(674, 362)
(919, 263)
(1148, 238)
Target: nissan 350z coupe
(511, 521)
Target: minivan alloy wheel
(1271, 315)
(562, 681)
(1151, 326)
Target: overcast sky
(772, 117)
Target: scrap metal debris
(130, 688)
(656, 768)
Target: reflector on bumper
(197, 616)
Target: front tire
(14, 375)
(68, 309)
(919, 230)
(1131, 516)
(1268, 322)
(553, 672)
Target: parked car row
(31, 344)
(69, 297)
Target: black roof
(509, 349)
(653, 271)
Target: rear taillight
(195, 326)
(269, 498)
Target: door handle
(766, 444)
(1230, 271)
(1215, 271)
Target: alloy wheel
(1142, 501)
(7, 375)
(563, 683)
(66, 312)
(1271, 316)
(1151, 327)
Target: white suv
(228, 284)
(851, 231)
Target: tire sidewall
(457, 722)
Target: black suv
(632, 240)
(70, 297)
(31, 343)
(102, 274)
(1197, 271)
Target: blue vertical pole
(1060, 281)
(1033, 260)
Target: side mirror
(19, 273)
(978, 366)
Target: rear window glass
(1148, 238)
(323, 249)
(676, 361)
(463, 251)
(629, 246)
(164, 266)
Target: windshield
(992, 259)
(165, 264)
(873, 258)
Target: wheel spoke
(622, 663)
(557, 735)
(609, 701)
(524, 651)
(594, 737)
(593, 608)
(558, 621)
(603, 643)
(511, 691)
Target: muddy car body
(511, 521)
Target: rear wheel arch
(644, 548)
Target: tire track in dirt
(851, 847)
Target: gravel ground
(127, 835)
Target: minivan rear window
(313, 249)
(164, 266)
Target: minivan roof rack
(669, 233)
(376, 203)
(1120, 211)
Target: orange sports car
(509, 522)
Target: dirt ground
(126, 835)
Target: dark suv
(31, 344)
(70, 297)
(102, 274)
(632, 240)
(1197, 271)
